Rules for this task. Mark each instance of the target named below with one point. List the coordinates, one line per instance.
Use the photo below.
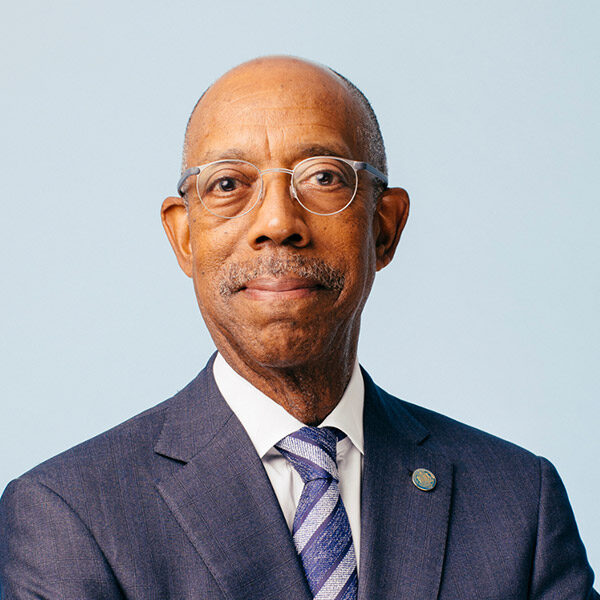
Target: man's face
(279, 286)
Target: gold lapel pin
(424, 479)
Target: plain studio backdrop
(490, 114)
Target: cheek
(211, 249)
(357, 237)
(354, 246)
(213, 242)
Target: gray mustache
(237, 275)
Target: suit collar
(195, 416)
(403, 529)
(223, 499)
(392, 414)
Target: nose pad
(280, 217)
(263, 187)
(285, 195)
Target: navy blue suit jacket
(175, 504)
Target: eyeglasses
(323, 185)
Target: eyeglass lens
(232, 188)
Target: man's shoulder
(460, 442)
(124, 447)
(99, 457)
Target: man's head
(281, 286)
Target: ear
(175, 222)
(390, 216)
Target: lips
(271, 288)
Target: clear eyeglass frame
(356, 165)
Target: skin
(294, 340)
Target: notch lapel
(222, 498)
(404, 529)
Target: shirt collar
(267, 422)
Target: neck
(308, 391)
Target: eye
(323, 175)
(326, 178)
(323, 178)
(226, 184)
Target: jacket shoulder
(463, 444)
(109, 454)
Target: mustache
(237, 275)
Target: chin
(283, 350)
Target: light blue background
(489, 312)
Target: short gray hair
(370, 132)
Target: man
(282, 470)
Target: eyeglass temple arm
(371, 169)
(187, 173)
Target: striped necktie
(321, 529)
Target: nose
(278, 219)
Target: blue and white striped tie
(321, 529)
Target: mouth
(280, 277)
(281, 288)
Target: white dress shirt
(267, 422)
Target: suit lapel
(403, 529)
(223, 499)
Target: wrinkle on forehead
(279, 93)
(275, 90)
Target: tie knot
(312, 452)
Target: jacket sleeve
(560, 566)
(46, 551)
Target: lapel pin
(424, 479)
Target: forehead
(274, 112)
